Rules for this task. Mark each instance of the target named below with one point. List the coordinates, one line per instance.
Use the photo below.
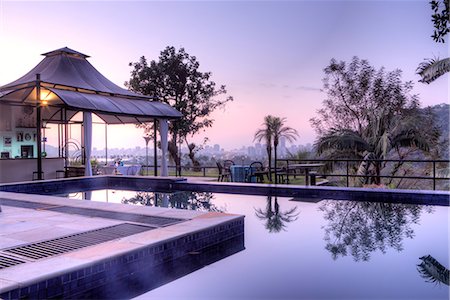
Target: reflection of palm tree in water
(433, 271)
(275, 219)
(360, 228)
(201, 201)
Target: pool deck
(21, 224)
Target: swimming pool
(311, 250)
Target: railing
(350, 164)
(334, 168)
(200, 171)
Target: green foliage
(176, 80)
(368, 114)
(301, 154)
(431, 69)
(441, 19)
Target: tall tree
(273, 129)
(279, 130)
(368, 114)
(431, 69)
(176, 80)
(264, 134)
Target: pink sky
(270, 55)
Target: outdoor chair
(227, 167)
(223, 173)
(282, 175)
(258, 171)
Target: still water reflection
(180, 200)
(360, 228)
(432, 271)
(325, 250)
(274, 219)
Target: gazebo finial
(66, 50)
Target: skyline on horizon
(270, 55)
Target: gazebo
(61, 85)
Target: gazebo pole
(66, 139)
(163, 131)
(38, 127)
(147, 139)
(106, 144)
(155, 150)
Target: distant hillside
(442, 113)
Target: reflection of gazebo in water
(61, 85)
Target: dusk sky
(269, 54)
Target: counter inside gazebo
(61, 85)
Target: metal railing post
(434, 175)
(346, 163)
(287, 171)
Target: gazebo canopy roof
(70, 83)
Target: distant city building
(251, 151)
(282, 147)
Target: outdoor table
(239, 173)
(128, 170)
(306, 167)
(107, 170)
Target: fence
(341, 169)
(432, 170)
(200, 171)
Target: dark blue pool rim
(171, 184)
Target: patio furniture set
(255, 172)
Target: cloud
(288, 87)
(308, 88)
(268, 85)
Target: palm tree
(431, 69)
(265, 134)
(278, 131)
(372, 144)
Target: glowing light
(46, 95)
(44, 102)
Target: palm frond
(383, 146)
(433, 68)
(411, 138)
(364, 167)
(433, 271)
(341, 140)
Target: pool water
(305, 250)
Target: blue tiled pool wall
(87, 281)
(73, 185)
(322, 193)
(64, 186)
